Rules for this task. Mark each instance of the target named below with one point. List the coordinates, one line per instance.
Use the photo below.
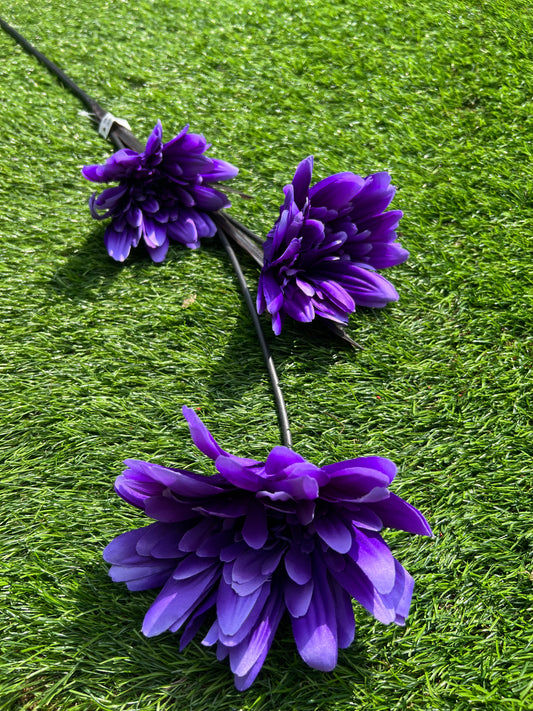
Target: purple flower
(163, 193)
(260, 539)
(321, 255)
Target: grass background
(98, 358)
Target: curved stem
(120, 136)
(286, 436)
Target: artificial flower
(258, 540)
(163, 193)
(321, 255)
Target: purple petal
(381, 465)
(315, 632)
(374, 197)
(365, 286)
(397, 513)
(204, 225)
(373, 556)
(400, 596)
(154, 535)
(387, 608)
(380, 255)
(336, 293)
(195, 536)
(345, 616)
(183, 482)
(255, 529)
(118, 244)
(177, 600)
(155, 234)
(233, 507)
(111, 197)
(249, 565)
(246, 659)
(191, 565)
(153, 144)
(298, 566)
(298, 597)
(272, 293)
(299, 306)
(352, 482)
(117, 166)
(196, 621)
(125, 573)
(233, 609)
(158, 254)
(336, 191)
(334, 532)
(363, 517)
(207, 198)
(167, 509)
(185, 143)
(220, 170)
(248, 623)
(156, 580)
(302, 180)
(122, 549)
(183, 231)
(201, 436)
(242, 473)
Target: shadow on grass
(313, 344)
(110, 656)
(89, 271)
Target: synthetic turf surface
(98, 358)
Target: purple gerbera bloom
(321, 255)
(163, 193)
(261, 539)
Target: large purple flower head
(321, 255)
(163, 193)
(259, 540)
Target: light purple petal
(233, 609)
(177, 600)
(122, 549)
(246, 659)
(345, 616)
(118, 244)
(373, 556)
(191, 565)
(315, 632)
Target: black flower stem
(286, 436)
(118, 135)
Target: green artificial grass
(98, 358)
